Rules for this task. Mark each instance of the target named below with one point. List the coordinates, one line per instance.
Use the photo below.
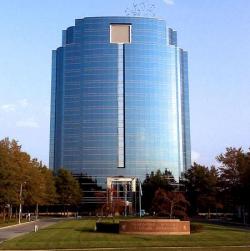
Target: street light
(20, 204)
(140, 195)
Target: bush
(107, 227)
(196, 228)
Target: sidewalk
(24, 228)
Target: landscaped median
(77, 234)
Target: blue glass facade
(119, 109)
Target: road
(14, 231)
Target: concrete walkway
(24, 228)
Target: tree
(50, 195)
(68, 189)
(171, 204)
(93, 193)
(13, 166)
(113, 207)
(201, 185)
(23, 180)
(34, 189)
(39, 187)
(152, 183)
(235, 179)
(246, 187)
(8, 176)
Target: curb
(24, 223)
(130, 248)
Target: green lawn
(80, 234)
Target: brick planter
(155, 227)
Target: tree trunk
(3, 213)
(171, 209)
(37, 212)
(243, 215)
(16, 213)
(10, 212)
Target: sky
(216, 34)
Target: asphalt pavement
(16, 230)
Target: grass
(80, 234)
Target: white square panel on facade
(120, 33)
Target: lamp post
(125, 200)
(20, 202)
(140, 194)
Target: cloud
(28, 123)
(23, 103)
(195, 156)
(8, 107)
(168, 2)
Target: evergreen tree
(201, 185)
(152, 183)
(68, 189)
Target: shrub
(107, 227)
(196, 228)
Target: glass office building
(119, 103)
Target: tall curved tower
(119, 103)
